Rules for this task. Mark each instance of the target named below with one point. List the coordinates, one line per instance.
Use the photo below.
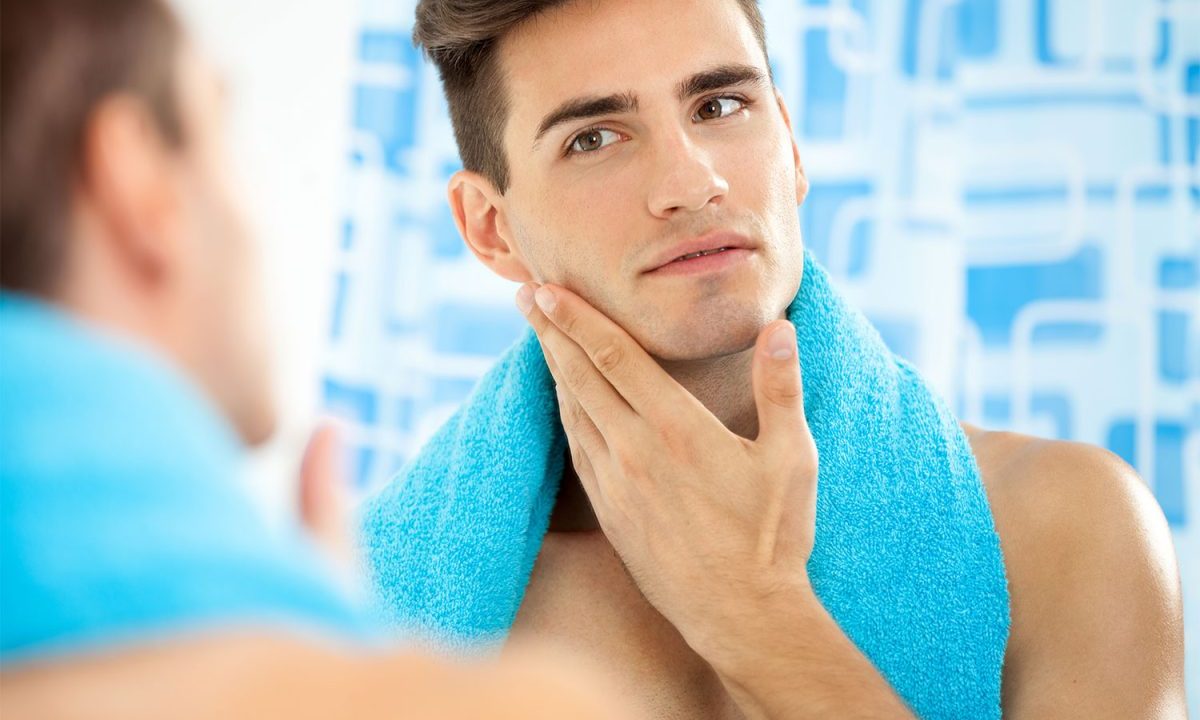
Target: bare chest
(580, 597)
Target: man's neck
(723, 385)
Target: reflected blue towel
(906, 557)
(122, 518)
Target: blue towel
(906, 557)
(122, 515)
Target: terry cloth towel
(122, 515)
(906, 556)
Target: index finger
(631, 371)
(572, 368)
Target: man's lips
(702, 246)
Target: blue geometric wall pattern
(1010, 191)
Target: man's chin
(696, 341)
(256, 426)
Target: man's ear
(482, 220)
(801, 178)
(125, 180)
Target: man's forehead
(586, 48)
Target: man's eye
(592, 140)
(718, 107)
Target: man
(594, 136)
(136, 580)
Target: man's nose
(684, 179)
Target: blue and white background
(1008, 188)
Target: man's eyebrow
(717, 78)
(721, 76)
(586, 107)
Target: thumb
(323, 504)
(778, 390)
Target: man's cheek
(577, 267)
(582, 285)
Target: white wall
(288, 65)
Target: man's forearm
(792, 660)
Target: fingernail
(545, 300)
(525, 299)
(781, 345)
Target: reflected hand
(712, 526)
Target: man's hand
(715, 529)
(323, 506)
(709, 523)
(322, 492)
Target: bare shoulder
(255, 675)
(1064, 491)
(1093, 581)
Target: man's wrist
(791, 659)
(764, 627)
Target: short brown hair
(59, 59)
(459, 37)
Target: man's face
(692, 153)
(222, 327)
